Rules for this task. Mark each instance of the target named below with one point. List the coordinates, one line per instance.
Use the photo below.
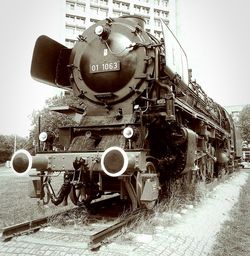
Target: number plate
(105, 67)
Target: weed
(74, 218)
(16, 205)
(234, 238)
(181, 196)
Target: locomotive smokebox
(22, 162)
(115, 161)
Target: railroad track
(97, 238)
(113, 223)
(98, 211)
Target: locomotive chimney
(135, 18)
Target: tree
(7, 146)
(50, 120)
(244, 123)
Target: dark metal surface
(48, 61)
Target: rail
(95, 240)
(30, 226)
(23, 228)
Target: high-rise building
(234, 111)
(80, 14)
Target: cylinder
(22, 162)
(222, 156)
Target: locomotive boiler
(144, 121)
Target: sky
(21, 23)
(215, 35)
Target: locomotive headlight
(43, 136)
(128, 132)
(102, 31)
(99, 30)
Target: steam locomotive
(144, 121)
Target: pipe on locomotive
(22, 161)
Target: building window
(157, 23)
(69, 43)
(157, 12)
(160, 13)
(164, 3)
(137, 8)
(80, 7)
(121, 5)
(116, 14)
(70, 31)
(93, 21)
(158, 34)
(94, 10)
(116, 4)
(141, 9)
(164, 14)
(124, 13)
(99, 11)
(80, 21)
(125, 6)
(147, 21)
(79, 31)
(70, 19)
(103, 12)
(70, 6)
(104, 2)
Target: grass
(74, 218)
(167, 212)
(16, 205)
(180, 198)
(234, 238)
